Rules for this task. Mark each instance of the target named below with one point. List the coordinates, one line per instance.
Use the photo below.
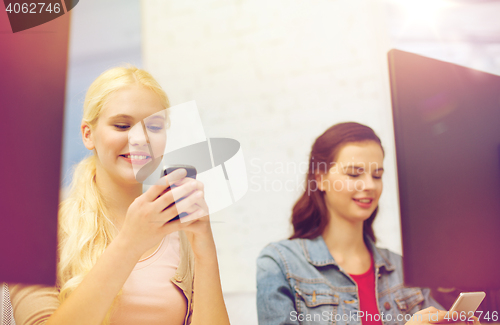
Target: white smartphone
(467, 302)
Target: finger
(187, 223)
(195, 207)
(203, 204)
(427, 310)
(181, 206)
(174, 225)
(472, 320)
(176, 195)
(192, 217)
(199, 185)
(163, 183)
(440, 316)
(171, 226)
(184, 181)
(176, 175)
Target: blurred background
(273, 74)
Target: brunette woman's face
(353, 184)
(131, 117)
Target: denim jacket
(298, 282)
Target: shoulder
(283, 249)
(389, 254)
(390, 257)
(283, 253)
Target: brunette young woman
(120, 259)
(330, 271)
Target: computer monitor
(447, 132)
(32, 86)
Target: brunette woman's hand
(147, 219)
(427, 316)
(432, 315)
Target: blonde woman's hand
(147, 219)
(197, 223)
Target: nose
(136, 136)
(368, 182)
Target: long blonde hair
(84, 227)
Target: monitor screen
(447, 132)
(32, 87)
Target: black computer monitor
(447, 132)
(32, 86)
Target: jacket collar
(317, 253)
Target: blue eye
(154, 128)
(121, 126)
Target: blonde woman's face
(353, 184)
(130, 135)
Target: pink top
(149, 297)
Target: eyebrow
(359, 167)
(156, 117)
(122, 116)
(128, 117)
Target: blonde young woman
(120, 260)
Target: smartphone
(191, 172)
(467, 302)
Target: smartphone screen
(191, 172)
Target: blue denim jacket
(298, 282)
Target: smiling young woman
(120, 259)
(330, 271)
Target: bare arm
(90, 301)
(145, 225)
(208, 301)
(88, 304)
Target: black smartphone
(191, 172)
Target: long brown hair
(310, 214)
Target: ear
(87, 137)
(319, 180)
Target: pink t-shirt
(149, 297)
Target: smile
(137, 159)
(364, 203)
(364, 200)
